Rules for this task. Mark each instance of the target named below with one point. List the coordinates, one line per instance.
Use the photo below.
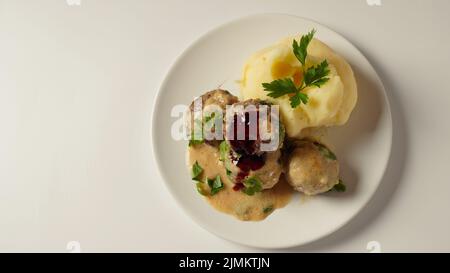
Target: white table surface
(77, 85)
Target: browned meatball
(218, 97)
(215, 100)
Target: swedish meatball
(251, 155)
(218, 97)
(251, 131)
(312, 168)
(211, 102)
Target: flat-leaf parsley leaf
(312, 76)
(215, 185)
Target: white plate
(363, 144)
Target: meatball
(269, 173)
(218, 97)
(312, 168)
(253, 156)
(215, 100)
(249, 140)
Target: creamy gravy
(237, 203)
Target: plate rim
(192, 216)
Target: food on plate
(217, 97)
(312, 168)
(248, 156)
(215, 185)
(209, 103)
(253, 155)
(329, 103)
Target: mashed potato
(329, 105)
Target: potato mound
(329, 105)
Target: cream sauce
(237, 203)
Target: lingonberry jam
(250, 158)
(238, 186)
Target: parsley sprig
(312, 76)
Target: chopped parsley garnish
(340, 187)
(325, 151)
(215, 185)
(252, 185)
(193, 142)
(197, 170)
(210, 117)
(224, 149)
(197, 134)
(200, 189)
(268, 209)
(312, 76)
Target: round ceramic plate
(363, 145)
